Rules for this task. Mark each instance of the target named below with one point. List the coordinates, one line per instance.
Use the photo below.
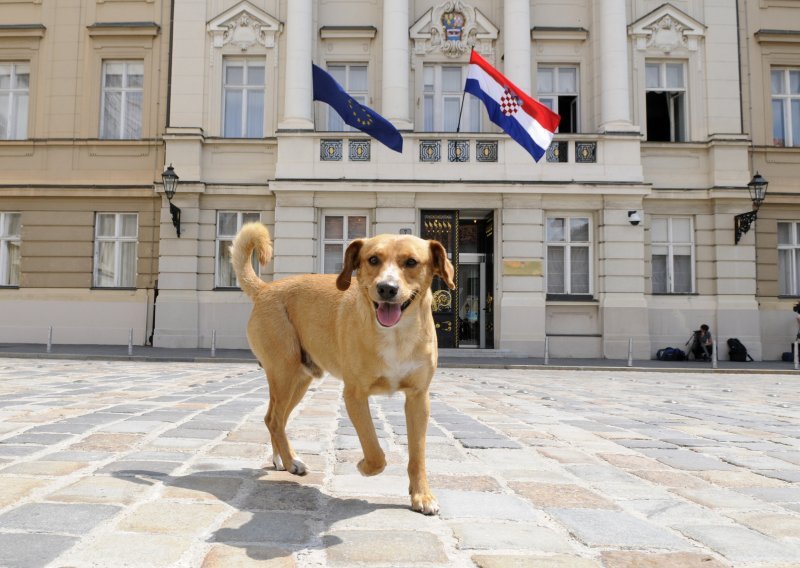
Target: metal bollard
(546, 350)
(213, 342)
(50, 339)
(796, 365)
(130, 342)
(630, 352)
(714, 355)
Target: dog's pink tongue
(388, 314)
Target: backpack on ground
(670, 354)
(737, 351)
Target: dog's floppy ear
(441, 264)
(350, 264)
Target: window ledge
(674, 294)
(114, 288)
(559, 33)
(571, 298)
(777, 36)
(22, 30)
(123, 29)
(348, 32)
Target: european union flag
(327, 90)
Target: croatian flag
(527, 121)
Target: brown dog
(377, 336)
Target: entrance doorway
(464, 318)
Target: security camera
(634, 218)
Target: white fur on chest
(398, 358)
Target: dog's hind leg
(286, 391)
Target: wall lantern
(758, 191)
(170, 179)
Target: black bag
(670, 354)
(787, 356)
(737, 351)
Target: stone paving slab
(128, 463)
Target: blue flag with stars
(327, 90)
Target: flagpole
(463, 94)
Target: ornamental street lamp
(170, 179)
(758, 192)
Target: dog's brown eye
(411, 263)
(374, 260)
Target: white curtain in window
(555, 270)
(226, 278)
(659, 269)
(105, 264)
(13, 263)
(579, 270)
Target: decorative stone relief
(665, 30)
(244, 26)
(453, 27)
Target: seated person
(701, 348)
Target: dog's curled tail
(253, 236)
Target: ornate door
(488, 248)
(443, 227)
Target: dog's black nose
(387, 291)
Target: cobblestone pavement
(163, 464)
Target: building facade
(623, 235)
(82, 113)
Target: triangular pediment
(454, 27)
(244, 26)
(667, 29)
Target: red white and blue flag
(527, 121)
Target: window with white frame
(14, 81)
(243, 92)
(788, 258)
(443, 90)
(115, 239)
(665, 86)
(338, 229)
(785, 107)
(672, 255)
(228, 225)
(557, 89)
(353, 78)
(122, 99)
(569, 255)
(10, 225)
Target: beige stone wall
(63, 173)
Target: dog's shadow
(274, 516)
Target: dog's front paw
(425, 503)
(368, 469)
(278, 462)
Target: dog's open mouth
(389, 313)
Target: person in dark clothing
(703, 343)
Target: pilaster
(396, 64)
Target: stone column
(615, 113)
(396, 72)
(517, 45)
(298, 107)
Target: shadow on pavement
(273, 518)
